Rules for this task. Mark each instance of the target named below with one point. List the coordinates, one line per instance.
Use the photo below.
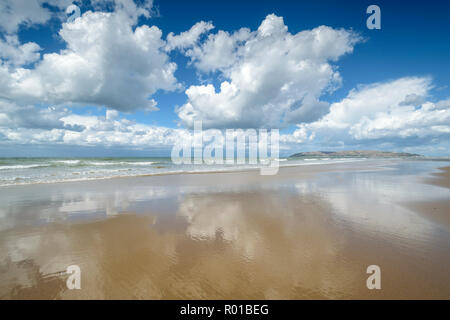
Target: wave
(23, 166)
(95, 163)
(75, 164)
(120, 163)
(69, 162)
(145, 163)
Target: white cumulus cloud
(106, 62)
(271, 76)
(188, 38)
(385, 112)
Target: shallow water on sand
(305, 233)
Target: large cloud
(387, 113)
(106, 62)
(14, 117)
(31, 125)
(272, 76)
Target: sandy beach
(308, 232)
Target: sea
(18, 171)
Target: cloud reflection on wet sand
(296, 241)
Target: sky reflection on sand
(309, 237)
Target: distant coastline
(355, 153)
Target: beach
(309, 232)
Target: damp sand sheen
(309, 232)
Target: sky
(129, 78)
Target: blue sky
(129, 78)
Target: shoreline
(215, 171)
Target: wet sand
(441, 178)
(438, 211)
(307, 233)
